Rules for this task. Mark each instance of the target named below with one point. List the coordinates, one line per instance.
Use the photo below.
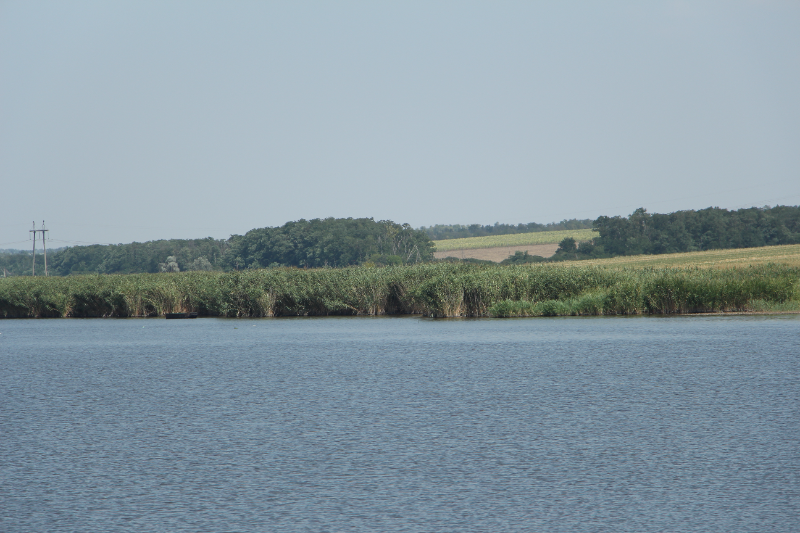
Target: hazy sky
(123, 121)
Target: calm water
(400, 424)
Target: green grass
(517, 239)
(436, 290)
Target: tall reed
(435, 289)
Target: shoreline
(418, 315)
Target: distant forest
(303, 243)
(441, 232)
(706, 229)
(341, 242)
(683, 231)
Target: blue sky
(123, 121)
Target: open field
(738, 257)
(514, 240)
(499, 253)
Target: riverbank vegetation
(432, 289)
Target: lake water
(401, 424)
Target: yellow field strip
(737, 257)
(517, 239)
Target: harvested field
(500, 253)
(516, 240)
(788, 254)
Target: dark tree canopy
(137, 256)
(331, 242)
(303, 243)
(567, 245)
(706, 229)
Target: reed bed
(435, 290)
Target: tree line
(707, 229)
(303, 243)
(339, 242)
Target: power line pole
(44, 245)
(33, 268)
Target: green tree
(567, 246)
(170, 265)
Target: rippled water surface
(400, 424)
